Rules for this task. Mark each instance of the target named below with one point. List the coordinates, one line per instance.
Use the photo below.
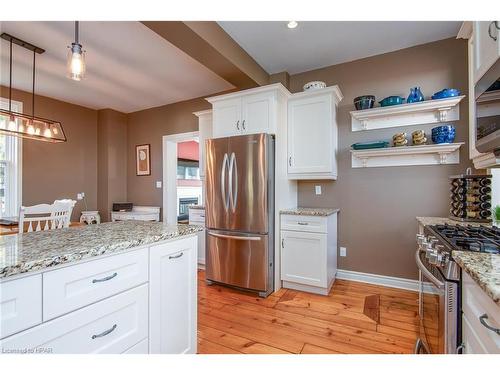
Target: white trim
(18, 107)
(389, 281)
(256, 90)
(169, 151)
(434, 154)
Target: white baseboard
(390, 281)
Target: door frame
(169, 157)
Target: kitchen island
(124, 287)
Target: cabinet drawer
(472, 344)
(70, 288)
(303, 223)
(140, 348)
(111, 326)
(475, 304)
(196, 216)
(20, 304)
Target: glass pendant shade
(76, 62)
(26, 126)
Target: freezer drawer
(240, 260)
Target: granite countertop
(444, 220)
(483, 268)
(39, 250)
(304, 211)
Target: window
(10, 167)
(188, 169)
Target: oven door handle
(438, 283)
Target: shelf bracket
(364, 124)
(443, 157)
(364, 162)
(443, 113)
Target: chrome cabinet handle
(489, 30)
(105, 333)
(243, 124)
(483, 318)
(105, 278)
(175, 256)
(302, 223)
(290, 161)
(238, 124)
(283, 243)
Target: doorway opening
(182, 186)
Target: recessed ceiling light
(292, 24)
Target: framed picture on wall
(143, 160)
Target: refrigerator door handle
(233, 186)
(232, 237)
(223, 183)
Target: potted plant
(496, 215)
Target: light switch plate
(343, 251)
(318, 189)
(158, 184)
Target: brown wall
(112, 157)
(149, 126)
(379, 205)
(53, 171)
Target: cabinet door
(304, 258)
(310, 135)
(258, 113)
(486, 48)
(172, 298)
(226, 118)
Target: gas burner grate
(470, 238)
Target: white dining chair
(46, 216)
(61, 213)
(38, 217)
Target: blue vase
(415, 95)
(418, 95)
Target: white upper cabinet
(312, 134)
(246, 112)
(486, 46)
(226, 118)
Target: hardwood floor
(353, 318)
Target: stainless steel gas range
(440, 282)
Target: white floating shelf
(407, 155)
(426, 112)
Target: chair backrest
(61, 212)
(46, 216)
(38, 217)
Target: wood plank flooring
(353, 318)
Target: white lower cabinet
(197, 217)
(480, 320)
(20, 304)
(142, 301)
(173, 287)
(110, 326)
(309, 257)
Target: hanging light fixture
(21, 124)
(76, 58)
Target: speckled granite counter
(444, 220)
(484, 270)
(38, 250)
(310, 211)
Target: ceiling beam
(210, 45)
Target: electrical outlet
(343, 252)
(318, 189)
(158, 184)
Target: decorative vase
(415, 95)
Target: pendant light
(76, 58)
(23, 125)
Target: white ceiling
(317, 44)
(129, 67)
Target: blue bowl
(443, 134)
(446, 93)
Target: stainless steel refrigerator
(239, 212)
